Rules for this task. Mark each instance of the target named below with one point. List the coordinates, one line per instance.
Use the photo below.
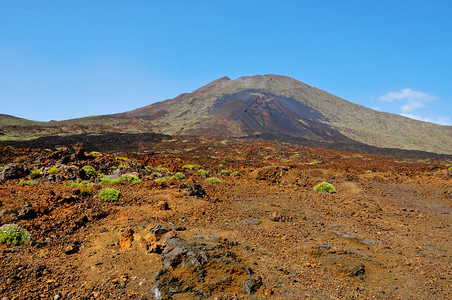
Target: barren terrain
(262, 234)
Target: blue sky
(68, 59)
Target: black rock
(14, 171)
(197, 191)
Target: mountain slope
(265, 106)
(280, 105)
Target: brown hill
(268, 106)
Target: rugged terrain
(261, 234)
(268, 106)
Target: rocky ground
(261, 234)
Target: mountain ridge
(259, 105)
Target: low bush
(203, 173)
(35, 174)
(106, 180)
(11, 234)
(325, 187)
(121, 167)
(235, 174)
(149, 169)
(53, 170)
(109, 194)
(191, 167)
(90, 171)
(28, 182)
(130, 178)
(213, 180)
(179, 176)
(224, 172)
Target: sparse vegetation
(121, 167)
(325, 187)
(235, 174)
(11, 234)
(123, 158)
(191, 167)
(179, 176)
(53, 170)
(203, 172)
(27, 182)
(130, 178)
(77, 183)
(90, 171)
(109, 194)
(94, 153)
(368, 171)
(224, 172)
(85, 190)
(35, 174)
(213, 180)
(106, 180)
(149, 169)
(161, 169)
(156, 174)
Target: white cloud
(411, 105)
(435, 119)
(407, 94)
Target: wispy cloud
(412, 99)
(436, 119)
(407, 94)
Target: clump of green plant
(213, 180)
(77, 183)
(161, 169)
(368, 171)
(85, 190)
(27, 182)
(109, 194)
(1, 168)
(11, 234)
(95, 152)
(48, 150)
(191, 167)
(325, 187)
(224, 172)
(106, 180)
(121, 167)
(123, 158)
(53, 170)
(163, 179)
(130, 178)
(203, 173)
(235, 174)
(156, 174)
(179, 176)
(90, 171)
(35, 174)
(149, 169)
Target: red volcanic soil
(263, 234)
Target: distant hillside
(263, 106)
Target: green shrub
(368, 171)
(149, 169)
(161, 169)
(106, 180)
(109, 194)
(27, 182)
(130, 178)
(35, 174)
(191, 167)
(1, 168)
(121, 167)
(123, 158)
(325, 187)
(53, 170)
(163, 179)
(78, 183)
(179, 176)
(90, 171)
(203, 172)
(224, 172)
(156, 174)
(11, 234)
(85, 190)
(213, 180)
(94, 152)
(235, 174)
